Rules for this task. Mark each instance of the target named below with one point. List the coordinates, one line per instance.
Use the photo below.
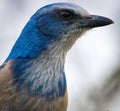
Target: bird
(32, 78)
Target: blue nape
(30, 43)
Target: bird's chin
(74, 34)
(81, 31)
(71, 37)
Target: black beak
(95, 21)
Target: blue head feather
(44, 28)
(30, 43)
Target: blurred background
(92, 65)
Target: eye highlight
(66, 15)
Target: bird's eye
(66, 15)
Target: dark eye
(66, 15)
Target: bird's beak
(95, 21)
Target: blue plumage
(40, 32)
(30, 43)
(32, 77)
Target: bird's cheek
(51, 31)
(46, 28)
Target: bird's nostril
(94, 21)
(88, 17)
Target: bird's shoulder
(5, 72)
(6, 85)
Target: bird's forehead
(61, 6)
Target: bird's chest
(43, 82)
(41, 92)
(40, 87)
(44, 79)
(42, 104)
(14, 100)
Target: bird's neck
(39, 63)
(43, 75)
(30, 43)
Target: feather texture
(12, 99)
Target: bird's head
(57, 23)
(67, 21)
